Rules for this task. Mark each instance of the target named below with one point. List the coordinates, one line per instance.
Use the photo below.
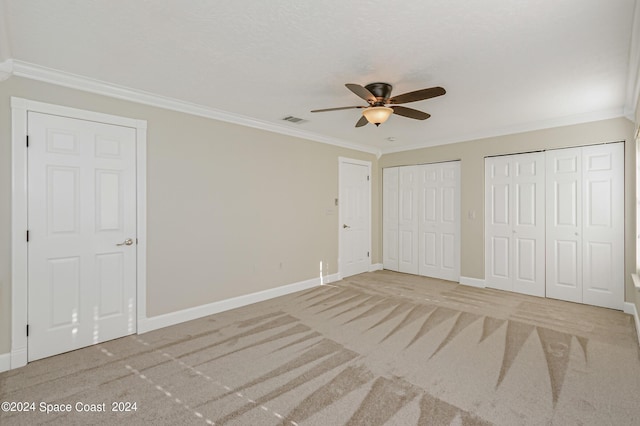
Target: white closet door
(408, 220)
(564, 224)
(585, 225)
(439, 225)
(498, 230)
(390, 219)
(603, 225)
(514, 215)
(528, 224)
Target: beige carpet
(377, 348)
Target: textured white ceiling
(506, 65)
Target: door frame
(341, 161)
(19, 208)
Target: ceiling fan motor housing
(382, 92)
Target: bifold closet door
(408, 219)
(515, 223)
(439, 220)
(585, 225)
(390, 210)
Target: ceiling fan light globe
(377, 115)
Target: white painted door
(498, 219)
(390, 209)
(603, 225)
(585, 230)
(515, 223)
(355, 213)
(408, 220)
(82, 205)
(528, 222)
(439, 220)
(564, 224)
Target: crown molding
(60, 78)
(6, 69)
(511, 130)
(35, 72)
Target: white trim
(512, 130)
(19, 300)
(6, 69)
(19, 267)
(60, 78)
(630, 308)
(375, 267)
(341, 161)
(5, 362)
(636, 281)
(177, 317)
(472, 282)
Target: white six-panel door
(603, 225)
(390, 209)
(564, 224)
(528, 224)
(498, 176)
(355, 228)
(421, 219)
(408, 219)
(439, 220)
(514, 215)
(82, 204)
(585, 234)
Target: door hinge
(27, 141)
(367, 254)
(367, 178)
(27, 235)
(27, 330)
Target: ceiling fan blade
(336, 109)
(410, 113)
(362, 122)
(362, 92)
(418, 95)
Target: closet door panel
(603, 225)
(430, 217)
(528, 224)
(408, 219)
(450, 220)
(439, 227)
(498, 176)
(564, 224)
(390, 218)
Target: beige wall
(227, 204)
(472, 154)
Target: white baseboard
(630, 308)
(5, 362)
(18, 358)
(375, 267)
(473, 282)
(173, 318)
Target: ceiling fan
(378, 95)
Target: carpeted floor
(377, 348)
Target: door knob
(126, 242)
(345, 226)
